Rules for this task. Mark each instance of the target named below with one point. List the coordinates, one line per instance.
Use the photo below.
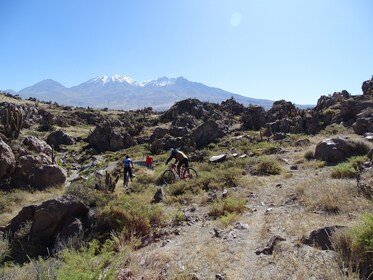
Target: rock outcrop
(335, 150)
(106, 137)
(7, 160)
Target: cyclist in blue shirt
(128, 166)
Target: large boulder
(108, 138)
(7, 160)
(282, 109)
(26, 166)
(52, 220)
(35, 144)
(364, 122)
(207, 133)
(158, 133)
(48, 175)
(367, 87)
(321, 238)
(335, 150)
(185, 120)
(53, 216)
(253, 118)
(58, 138)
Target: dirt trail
(207, 249)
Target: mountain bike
(170, 175)
(127, 175)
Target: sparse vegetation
(354, 247)
(253, 194)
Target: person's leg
(125, 176)
(130, 172)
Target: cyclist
(128, 167)
(180, 158)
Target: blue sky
(295, 50)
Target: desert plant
(348, 169)
(131, 215)
(343, 170)
(354, 247)
(267, 166)
(12, 122)
(229, 205)
(309, 155)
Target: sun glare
(236, 19)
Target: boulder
(61, 218)
(158, 133)
(253, 118)
(37, 145)
(207, 133)
(335, 150)
(26, 166)
(108, 138)
(55, 216)
(7, 160)
(320, 238)
(48, 175)
(185, 120)
(270, 246)
(58, 138)
(26, 214)
(218, 158)
(367, 87)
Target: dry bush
(329, 195)
(354, 247)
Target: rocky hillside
(282, 193)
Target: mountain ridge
(122, 92)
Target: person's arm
(168, 160)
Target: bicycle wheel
(190, 173)
(168, 177)
(126, 181)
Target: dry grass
(13, 202)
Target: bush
(131, 215)
(309, 155)
(267, 166)
(348, 169)
(227, 206)
(343, 170)
(354, 247)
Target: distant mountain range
(120, 92)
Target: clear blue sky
(295, 50)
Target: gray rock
(7, 160)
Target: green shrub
(348, 169)
(86, 192)
(354, 247)
(228, 219)
(343, 170)
(87, 263)
(267, 166)
(227, 206)
(132, 215)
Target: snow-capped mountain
(121, 92)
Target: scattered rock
(268, 249)
(320, 238)
(218, 158)
(159, 195)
